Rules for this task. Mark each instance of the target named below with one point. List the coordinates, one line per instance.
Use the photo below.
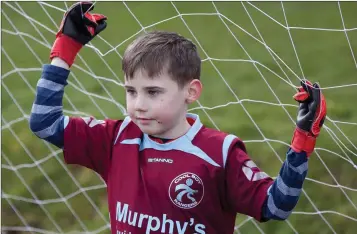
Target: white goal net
(254, 55)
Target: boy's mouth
(138, 118)
(144, 121)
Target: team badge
(186, 190)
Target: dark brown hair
(161, 51)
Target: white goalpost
(253, 58)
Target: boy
(166, 172)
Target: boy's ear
(194, 90)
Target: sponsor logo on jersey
(186, 190)
(153, 224)
(160, 160)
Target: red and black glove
(77, 28)
(311, 117)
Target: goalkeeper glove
(77, 28)
(311, 116)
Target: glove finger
(318, 107)
(89, 20)
(75, 7)
(316, 88)
(101, 26)
(320, 99)
(301, 89)
(86, 7)
(99, 18)
(306, 85)
(316, 93)
(319, 118)
(301, 96)
(80, 8)
(94, 19)
(95, 23)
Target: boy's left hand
(311, 116)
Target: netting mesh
(253, 57)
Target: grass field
(251, 63)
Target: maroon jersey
(194, 184)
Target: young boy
(165, 171)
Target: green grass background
(251, 74)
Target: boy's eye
(153, 92)
(130, 91)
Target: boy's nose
(140, 104)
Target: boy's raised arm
(85, 141)
(77, 28)
(284, 193)
(253, 192)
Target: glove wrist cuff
(65, 48)
(303, 141)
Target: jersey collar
(195, 128)
(191, 133)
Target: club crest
(186, 190)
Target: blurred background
(254, 55)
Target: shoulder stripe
(225, 147)
(250, 164)
(123, 125)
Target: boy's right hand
(77, 28)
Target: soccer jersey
(193, 184)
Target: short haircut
(161, 51)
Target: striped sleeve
(46, 119)
(284, 193)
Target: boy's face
(158, 105)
